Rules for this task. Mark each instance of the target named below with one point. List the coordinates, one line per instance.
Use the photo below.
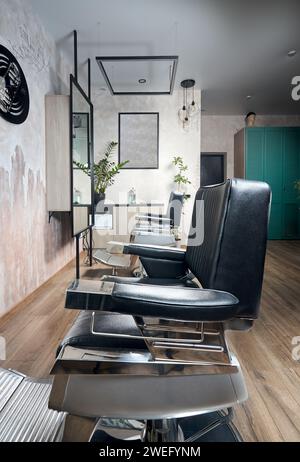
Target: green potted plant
(105, 171)
(180, 178)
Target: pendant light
(191, 109)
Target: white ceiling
(232, 48)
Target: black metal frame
(73, 81)
(101, 59)
(119, 140)
(75, 55)
(89, 78)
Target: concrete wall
(31, 250)
(217, 132)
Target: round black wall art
(14, 95)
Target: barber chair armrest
(148, 251)
(165, 302)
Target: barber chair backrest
(174, 209)
(230, 252)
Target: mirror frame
(73, 81)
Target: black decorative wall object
(14, 94)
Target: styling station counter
(116, 221)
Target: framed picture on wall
(139, 139)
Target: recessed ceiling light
(249, 96)
(142, 80)
(291, 53)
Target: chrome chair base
(25, 417)
(210, 427)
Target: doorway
(213, 168)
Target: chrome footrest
(179, 341)
(188, 342)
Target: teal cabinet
(255, 154)
(273, 158)
(272, 154)
(291, 173)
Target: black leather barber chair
(148, 358)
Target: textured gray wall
(31, 250)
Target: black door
(212, 169)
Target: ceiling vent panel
(139, 75)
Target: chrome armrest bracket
(178, 341)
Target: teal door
(273, 161)
(291, 173)
(273, 155)
(255, 154)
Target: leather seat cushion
(80, 334)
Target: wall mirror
(139, 139)
(82, 158)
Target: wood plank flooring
(272, 413)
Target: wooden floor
(272, 413)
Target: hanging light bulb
(186, 121)
(182, 114)
(182, 111)
(193, 108)
(186, 124)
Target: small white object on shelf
(77, 196)
(131, 197)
